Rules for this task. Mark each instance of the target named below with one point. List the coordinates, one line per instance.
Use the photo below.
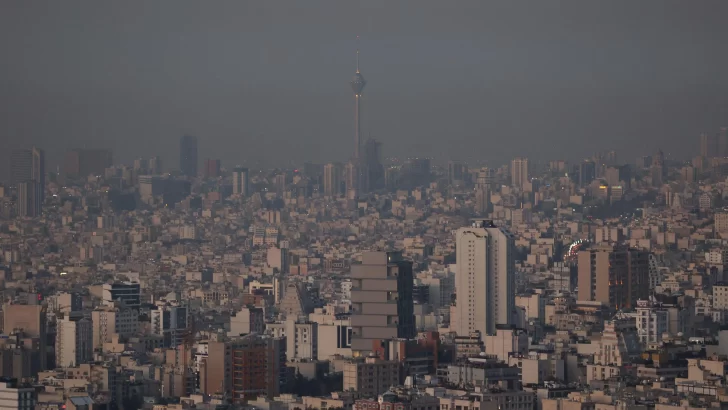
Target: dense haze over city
(419, 205)
(473, 81)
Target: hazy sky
(268, 80)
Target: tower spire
(357, 85)
(357, 54)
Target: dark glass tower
(188, 155)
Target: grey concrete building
(381, 296)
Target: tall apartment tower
(74, 341)
(706, 146)
(485, 278)
(188, 155)
(723, 142)
(381, 297)
(332, 179)
(29, 202)
(28, 175)
(483, 184)
(616, 276)
(28, 165)
(519, 172)
(240, 181)
(373, 163)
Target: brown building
(84, 162)
(244, 368)
(614, 275)
(372, 376)
(30, 320)
(212, 168)
(417, 357)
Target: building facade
(485, 278)
(188, 155)
(381, 296)
(614, 275)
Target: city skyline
(466, 106)
(533, 214)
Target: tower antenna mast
(357, 54)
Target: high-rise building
(373, 162)
(586, 172)
(29, 202)
(212, 168)
(81, 163)
(483, 185)
(519, 172)
(20, 164)
(28, 175)
(485, 278)
(28, 165)
(618, 176)
(456, 172)
(332, 179)
(245, 367)
(188, 155)
(381, 296)
(616, 276)
(658, 170)
(706, 146)
(240, 181)
(723, 142)
(74, 341)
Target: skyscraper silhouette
(28, 173)
(373, 163)
(241, 181)
(188, 155)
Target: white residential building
(73, 342)
(652, 322)
(484, 279)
